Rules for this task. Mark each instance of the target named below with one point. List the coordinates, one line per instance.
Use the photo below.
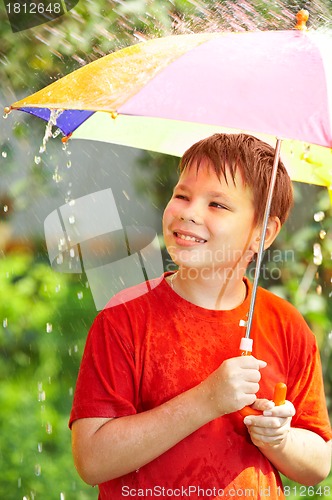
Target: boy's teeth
(189, 238)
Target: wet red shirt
(144, 351)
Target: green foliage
(43, 328)
(321, 491)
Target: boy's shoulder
(137, 294)
(277, 306)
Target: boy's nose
(191, 214)
(187, 220)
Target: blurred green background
(44, 315)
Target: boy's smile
(186, 238)
(209, 223)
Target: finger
(251, 362)
(259, 363)
(267, 440)
(263, 405)
(250, 387)
(258, 432)
(263, 422)
(283, 411)
(252, 375)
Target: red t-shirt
(143, 350)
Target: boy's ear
(272, 231)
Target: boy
(156, 407)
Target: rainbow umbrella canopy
(166, 93)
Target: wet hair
(255, 159)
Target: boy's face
(209, 224)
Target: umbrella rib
(262, 237)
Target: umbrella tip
(66, 138)
(301, 17)
(7, 110)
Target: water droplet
(322, 234)
(42, 396)
(5, 208)
(55, 113)
(49, 327)
(37, 160)
(5, 116)
(72, 252)
(62, 496)
(57, 288)
(72, 202)
(318, 257)
(40, 447)
(5, 322)
(319, 289)
(71, 219)
(319, 216)
(68, 164)
(59, 260)
(71, 391)
(56, 176)
(56, 133)
(49, 428)
(4, 154)
(80, 295)
(37, 470)
(75, 348)
(19, 482)
(62, 244)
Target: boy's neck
(217, 293)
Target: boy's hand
(272, 427)
(233, 385)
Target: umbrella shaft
(262, 237)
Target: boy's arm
(104, 448)
(299, 454)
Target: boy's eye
(217, 205)
(180, 196)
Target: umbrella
(166, 93)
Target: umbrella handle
(280, 389)
(279, 398)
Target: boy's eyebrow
(212, 194)
(217, 194)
